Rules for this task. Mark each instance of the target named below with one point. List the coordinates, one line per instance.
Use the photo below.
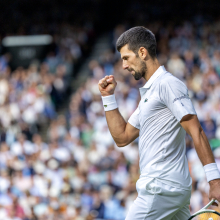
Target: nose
(125, 66)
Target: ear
(143, 53)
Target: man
(163, 115)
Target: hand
(214, 192)
(107, 85)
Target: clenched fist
(107, 85)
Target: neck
(152, 66)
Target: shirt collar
(148, 84)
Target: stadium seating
(79, 173)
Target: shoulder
(169, 81)
(168, 78)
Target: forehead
(126, 52)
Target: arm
(123, 133)
(192, 126)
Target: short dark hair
(137, 37)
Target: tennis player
(161, 120)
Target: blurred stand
(23, 50)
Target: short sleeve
(174, 94)
(134, 119)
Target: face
(133, 63)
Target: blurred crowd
(79, 173)
(31, 96)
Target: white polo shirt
(164, 101)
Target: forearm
(206, 156)
(192, 126)
(204, 152)
(203, 148)
(123, 133)
(117, 126)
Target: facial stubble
(143, 69)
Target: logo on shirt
(181, 97)
(105, 106)
(145, 100)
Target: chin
(137, 76)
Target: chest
(150, 105)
